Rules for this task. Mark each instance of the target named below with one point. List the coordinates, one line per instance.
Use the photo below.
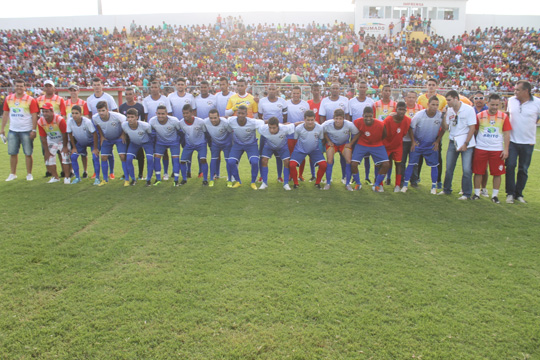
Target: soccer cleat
(313, 178)
(123, 177)
(93, 176)
(405, 188)
(176, 184)
(76, 181)
(157, 182)
(397, 188)
(301, 178)
(126, 183)
(29, 177)
(97, 182)
(165, 177)
(463, 197)
(475, 197)
(327, 187)
(103, 182)
(460, 192)
(378, 189)
(357, 187)
(211, 183)
(253, 186)
(287, 187)
(510, 199)
(84, 175)
(280, 180)
(263, 186)
(368, 182)
(183, 182)
(521, 199)
(414, 185)
(140, 177)
(237, 185)
(344, 181)
(441, 193)
(133, 182)
(205, 183)
(148, 183)
(318, 186)
(296, 186)
(67, 181)
(200, 175)
(112, 177)
(439, 184)
(53, 180)
(349, 188)
(11, 177)
(433, 191)
(484, 193)
(229, 184)
(495, 200)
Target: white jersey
(84, 133)
(177, 103)
(279, 140)
(204, 105)
(112, 128)
(92, 101)
(328, 106)
(277, 108)
(308, 140)
(221, 102)
(150, 105)
(141, 135)
(221, 134)
(426, 129)
(295, 112)
(339, 136)
(356, 107)
(166, 134)
(247, 134)
(194, 132)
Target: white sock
(495, 193)
(477, 192)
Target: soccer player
(52, 132)
(242, 98)
(333, 102)
(384, 107)
(397, 126)
(166, 131)
(132, 104)
(221, 134)
(370, 137)
(22, 111)
(314, 105)
(461, 124)
(276, 134)
(82, 134)
(479, 106)
(140, 136)
(296, 107)
(492, 143)
(194, 130)
(222, 97)
(338, 133)
(308, 135)
(205, 101)
(109, 126)
(412, 109)
(244, 140)
(427, 131)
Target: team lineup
(295, 132)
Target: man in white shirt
(524, 111)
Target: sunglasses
(455, 120)
(479, 98)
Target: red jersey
(57, 102)
(395, 132)
(369, 135)
(381, 111)
(315, 107)
(81, 103)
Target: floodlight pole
(99, 8)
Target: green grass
(218, 273)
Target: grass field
(218, 273)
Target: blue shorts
(237, 151)
(160, 149)
(16, 139)
(283, 153)
(215, 150)
(316, 156)
(378, 153)
(148, 147)
(81, 148)
(201, 149)
(431, 156)
(107, 147)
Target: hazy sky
(35, 8)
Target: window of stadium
(374, 12)
(448, 14)
(399, 12)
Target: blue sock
(229, 171)
(97, 165)
(379, 179)
(376, 172)
(218, 165)
(157, 168)
(105, 170)
(356, 178)
(234, 169)
(130, 168)
(204, 169)
(264, 174)
(111, 164)
(312, 168)
(176, 167)
(184, 170)
(367, 165)
(166, 166)
(149, 167)
(286, 175)
(213, 165)
(408, 173)
(124, 169)
(348, 173)
(254, 168)
(75, 164)
(329, 169)
(434, 175)
(279, 164)
(343, 164)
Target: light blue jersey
(426, 129)
(166, 134)
(83, 134)
(220, 134)
(141, 135)
(339, 136)
(204, 105)
(279, 140)
(308, 141)
(112, 128)
(221, 102)
(277, 108)
(247, 134)
(178, 102)
(92, 101)
(150, 105)
(194, 132)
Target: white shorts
(55, 148)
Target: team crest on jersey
(186, 101)
(316, 136)
(315, 111)
(385, 111)
(248, 131)
(113, 124)
(501, 167)
(282, 136)
(437, 122)
(342, 106)
(302, 109)
(209, 103)
(84, 128)
(140, 133)
(169, 128)
(197, 128)
(491, 122)
(17, 103)
(279, 106)
(398, 130)
(51, 127)
(367, 133)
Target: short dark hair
(309, 113)
(76, 108)
(368, 110)
(434, 80)
(161, 107)
(96, 79)
(241, 81)
(453, 94)
(242, 107)
(213, 111)
(155, 83)
(339, 112)
(129, 89)
(132, 111)
(204, 82)
(386, 86)
(433, 98)
(273, 121)
(223, 78)
(180, 79)
(526, 85)
(187, 107)
(19, 81)
(401, 104)
(296, 87)
(102, 105)
(494, 97)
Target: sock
(254, 169)
(105, 170)
(495, 193)
(130, 168)
(218, 166)
(302, 166)
(279, 164)
(343, 164)
(312, 168)
(367, 165)
(434, 175)
(184, 170)
(165, 165)
(97, 166)
(477, 192)
(356, 178)
(398, 180)
(149, 167)
(379, 179)
(189, 167)
(229, 171)
(111, 164)
(124, 169)
(176, 167)
(293, 171)
(320, 172)
(376, 173)
(213, 165)
(157, 168)
(75, 164)
(140, 161)
(408, 173)
(329, 169)
(200, 164)
(348, 173)
(286, 175)
(233, 166)
(264, 174)
(204, 169)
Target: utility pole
(99, 8)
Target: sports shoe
(510, 199)
(103, 182)
(484, 193)
(76, 181)
(521, 199)
(318, 186)
(183, 182)
(53, 180)
(97, 182)
(378, 189)
(463, 197)
(301, 178)
(229, 184)
(495, 200)
(157, 182)
(200, 175)
(140, 177)
(368, 182)
(85, 175)
(475, 197)
(439, 184)
(126, 183)
(405, 188)
(263, 186)
(296, 186)
(133, 182)
(349, 188)
(397, 188)
(176, 184)
(67, 181)
(11, 177)
(313, 178)
(211, 183)
(414, 185)
(237, 185)
(165, 177)
(253, 186)
(287, 187)
(280, 180)
(357, 187)
(123, 178)
(259, 179)
(433, 191)
(460, 192)
(29, 177)
(344, 181)
(148, 183)
(93, 176)
(205, 183)
(327, 187)
(112, 177)
(442, 193)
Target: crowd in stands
(491, 59)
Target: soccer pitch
(194, 272)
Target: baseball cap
(48, 82)
(73, 87)
(47, 106)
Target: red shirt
(369, 135)
(395, 132)
(315, 107)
